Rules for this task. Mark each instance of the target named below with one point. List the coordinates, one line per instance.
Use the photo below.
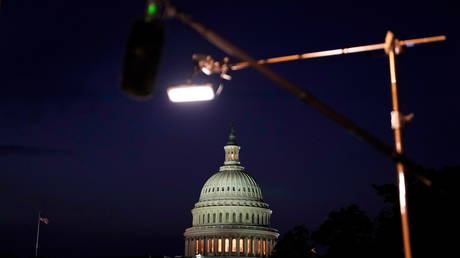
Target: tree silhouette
(432, 215)
(296, 243)
(346, 233)
(387, 233)
(349, 232)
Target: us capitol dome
(231, 218)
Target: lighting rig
(144, 52)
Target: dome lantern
(232, 149)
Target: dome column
(205, 246)
(272, 242)
(269, 244)
(257, 246)
(186, 247)
(192, 247)
(238, 246)
(254, 246)
(231, 245)
(251, 246)
(207, 249)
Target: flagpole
(38, 235)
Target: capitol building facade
(230, 218)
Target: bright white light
(206, 70)
(402, 192)
(191, 92)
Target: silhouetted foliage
(346, 233)
(349, 232)
(8, 255)
(387, 234)
(296, 243)
(432, 216)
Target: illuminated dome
(231, 217)
(231, 184)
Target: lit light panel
(190, 93)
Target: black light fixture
(143, 53)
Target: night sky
(119, 177)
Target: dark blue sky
(115, 176)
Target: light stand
(391, 46)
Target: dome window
(233, 188)
(227, 244)
(258, 247)
(264, 247)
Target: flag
(44, 220)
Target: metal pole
(396, 121)
(38, 235)
(301, 94)
(339, 51)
